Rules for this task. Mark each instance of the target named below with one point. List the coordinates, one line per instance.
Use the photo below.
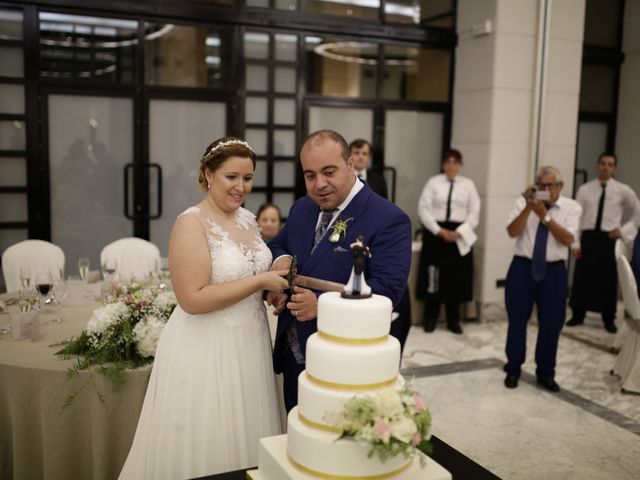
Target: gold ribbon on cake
(350, 387)
(351, 341)
(318, 426)
(329, 476)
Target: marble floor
(590, 430)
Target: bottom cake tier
(274, 464)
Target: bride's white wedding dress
(212, 392)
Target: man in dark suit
(333, 195)
(360, 151)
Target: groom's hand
(303, 304)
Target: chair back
(621, 249)
(135, 258)
(40, 256)
(629, 292)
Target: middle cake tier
(345, 366)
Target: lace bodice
(237, 251)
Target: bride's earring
(208, 185)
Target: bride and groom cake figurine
(350, 357)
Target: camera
(541, 194)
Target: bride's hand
(274, 280)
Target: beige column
(510, 104)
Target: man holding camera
(544, 224)
(595, 280)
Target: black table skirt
(460, 466)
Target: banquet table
(38, 439)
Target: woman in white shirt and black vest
(449, 209)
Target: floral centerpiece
(389, 423)
(122, 333)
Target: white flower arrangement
(122, 333)
(389, 423)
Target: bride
(212, 393)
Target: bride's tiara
(226, 144)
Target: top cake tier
(367, 319)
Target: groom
(319, 231)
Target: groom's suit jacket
(387, 232)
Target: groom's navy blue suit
(387, 232)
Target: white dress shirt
(357, 186)
(617, 197)
(565, 212)
(465, 207)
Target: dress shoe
(430, 324)
(574, 321)
(610, 327)
(548, 383)
(454, 327)
(511, 380)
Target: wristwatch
(546, 219)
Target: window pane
(256, 110)
(286, 47)
(260, 174)
(187, 56)
(257, 78)
(256, 45)
(596, 88)
(10, 24)
(345, 8)
(284, 111)
(12, 63)
(284, 201)
(12, 135)
(402, 11)
(254, 200)
(290, 5)
(13, 207)
(341, 68)
(284, 174)
(412, 73)
(258, 3)
(284, 142)
(13, 172)
(11, 98)
(352, 123)
(433, 13)
(257, 138)
(285, 80)
(91, 48)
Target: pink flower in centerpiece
(417, 438)
(383, 430)
(420, 405)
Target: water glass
(25, 276)
(83, 267)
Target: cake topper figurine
(357, 287)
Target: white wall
(627, 134)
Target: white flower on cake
(389, 423)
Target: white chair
(38, 255)
(135, 258)
(621, 249)
(627, 365)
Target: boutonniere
(339, 229)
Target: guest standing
(449, 210)
(212, 394)
(334, 198)
(269, 221)
(538, 275)
(595, 280)
(360, 152)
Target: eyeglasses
(548, 185)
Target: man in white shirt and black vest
(544, 224)
(595, 280)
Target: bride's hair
(218, 152)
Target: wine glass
(109, 267)
(25, 276)
(44, 283)
(83, 267)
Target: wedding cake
(351, 353)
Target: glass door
(91, 139)
(179, 133)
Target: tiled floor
(590, 430)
